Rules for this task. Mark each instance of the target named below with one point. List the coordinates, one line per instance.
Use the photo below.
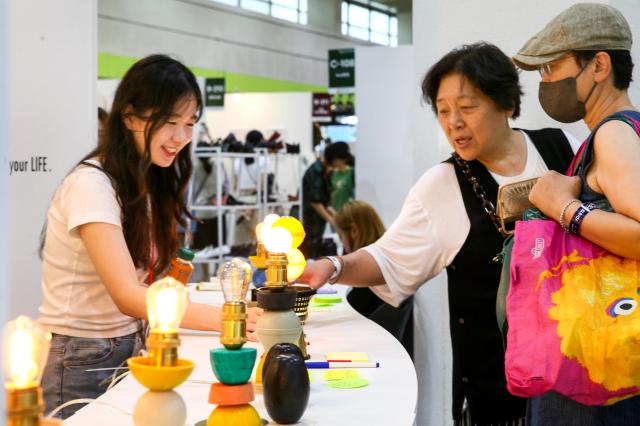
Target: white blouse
(433, 226)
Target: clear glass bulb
(26, 347)
(295, 264)
(167, 301)
(235, 276)
(277, 240)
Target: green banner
(214, 92)
(342, 68)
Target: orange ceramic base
(222, 394)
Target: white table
(389, 399)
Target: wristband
(564, 210)
(578, 217)
(337, 264)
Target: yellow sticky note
(348, 356)
(310, 375)
(331, 375)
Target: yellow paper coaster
(331, 375)
(348, 383)
(347, 356)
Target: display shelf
(219, 161)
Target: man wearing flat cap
(584, 60)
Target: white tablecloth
(389, 399)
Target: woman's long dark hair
(151, 197)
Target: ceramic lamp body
(235, 415)
(285, 382)
(278, 327)
(160, 409)
(232, 367)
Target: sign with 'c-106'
(342, 68)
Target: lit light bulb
(277, 240)
(296, 264)
(294, 227)
(26, 347)
(235, 276)
(167, 301)
(258, 228)
(267, 223)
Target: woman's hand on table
(252, 318)
(552, 191)
(317, 274)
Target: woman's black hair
(486, 67)
(151, 197)
(621, 63)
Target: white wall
(52, 113)
(4, 225)
(401, 123)
(207, 34)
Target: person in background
(584, 59)
(316, 197)
(358, 226)
(111, 231)
(342, 179)
(446, 222)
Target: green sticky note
(326, 300)
(348, 383)
(331, 375)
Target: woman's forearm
(614, 232)
(361, 270)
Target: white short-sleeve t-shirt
(75, 301)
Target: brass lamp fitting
(24, 406)
(276, 271)
(163, 348)
(260, 259)
(234, 325)
(261, 250)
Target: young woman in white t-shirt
(111, 229)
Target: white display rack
(263, 206)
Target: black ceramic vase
(285, 383)
(280, 348)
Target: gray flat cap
(583, 26)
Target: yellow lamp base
(259, 262)
(234, 415)
(159, 378)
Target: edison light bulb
(277, 240)
(26, 347)
(294, 227)
(295, 264)
(235, 276)
(258, 228)
(266, 226)
(167, 301)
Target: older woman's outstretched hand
(317, 274)
(552, 192)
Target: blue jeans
(65, 376)
(552, 409)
